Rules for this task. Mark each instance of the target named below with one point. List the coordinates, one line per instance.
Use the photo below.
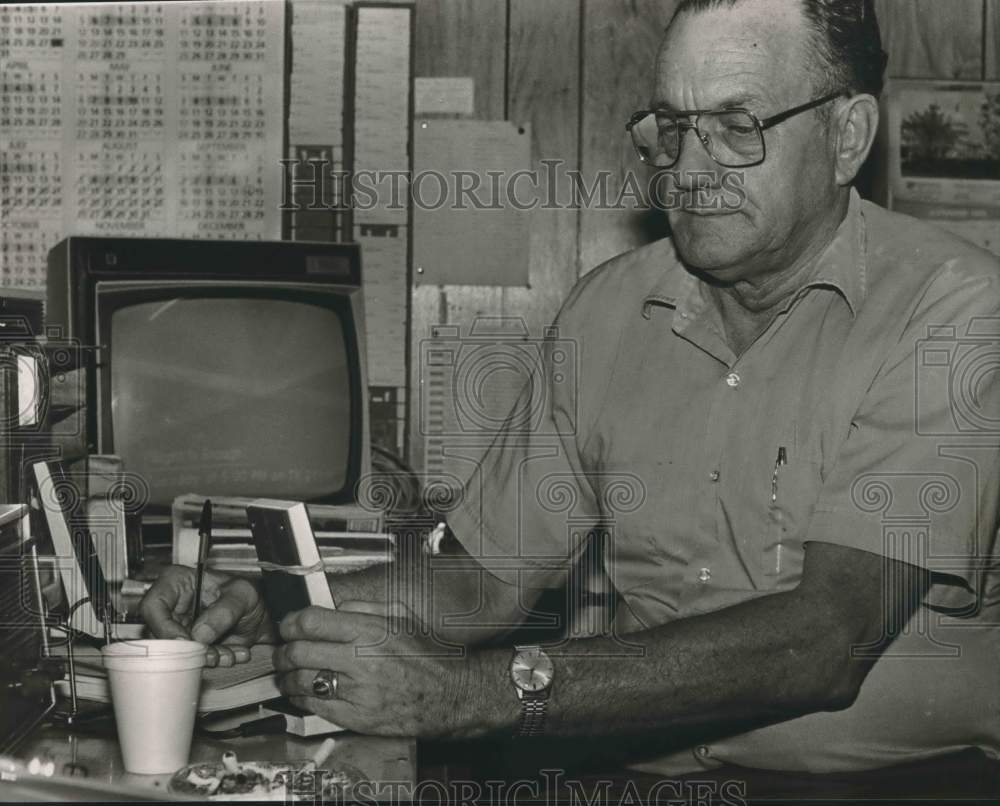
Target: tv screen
(232, 393)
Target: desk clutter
(143, 393)
(158, 685)
(70, 550)
(74, 550)
(229, 778)
(104, 617)
(320, 777)
(349, 537)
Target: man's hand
(392, 678)
(233, 611)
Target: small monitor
(221, 368)
(230, 393)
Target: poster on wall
(147, 120)
(944, 156)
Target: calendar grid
(153, 119)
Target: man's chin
(712, 252)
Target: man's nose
(694, 161)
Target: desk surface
(386, 762)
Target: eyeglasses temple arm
(781, 117)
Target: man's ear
(855, 122)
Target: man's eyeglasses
(734, 138)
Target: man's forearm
(762, 661)
(766, 659)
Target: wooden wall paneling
(474, 44)
(933, 39)
(457, 38)
(466, 38)
(620, 41)
(992, 40)
(543, 89)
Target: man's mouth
(704, 212)
(701, 204)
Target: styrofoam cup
(155, 685)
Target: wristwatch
(531, 672)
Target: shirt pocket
(791, 502)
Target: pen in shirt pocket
(780, 461)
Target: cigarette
(229, 761)
(322, 754)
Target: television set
(219, 367)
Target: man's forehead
(711, 92)
(737, 55)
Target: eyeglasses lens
(733, 139)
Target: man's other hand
(393, 679)
(233, 613)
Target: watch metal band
(532, 716)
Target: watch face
(531, 670)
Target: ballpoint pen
(204, 544)
(780, 461)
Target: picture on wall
(944, 155)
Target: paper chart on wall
(141, 120)
(316, 105)
(383, 85)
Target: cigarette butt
(324, 751)
(229, 761)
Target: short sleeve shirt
(867, 414)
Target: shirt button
(704, 574)
(714, 475)
(702, 751)
(733, 379)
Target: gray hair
(848, 38)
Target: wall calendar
(158, 119)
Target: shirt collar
(842, 266)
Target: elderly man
(771, 384)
